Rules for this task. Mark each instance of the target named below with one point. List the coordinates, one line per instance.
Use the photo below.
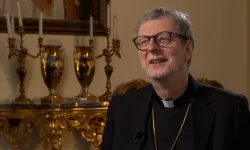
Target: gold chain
(183, 122)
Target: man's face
(157, 61)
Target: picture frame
(78, 25)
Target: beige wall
(247, 49)
(220, 52)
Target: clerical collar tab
(168, 104)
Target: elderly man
(175, 112)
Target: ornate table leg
(91, 126)
(51, 127)
(15, 135)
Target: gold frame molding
(134, 84)
(213, 83)
(139, 83)
(63, 27)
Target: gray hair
(183, 24)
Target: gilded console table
(18, 122)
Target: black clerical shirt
(168, 123)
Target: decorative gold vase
(52, 69)
(84, 66)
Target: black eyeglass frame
(153, 36)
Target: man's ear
(189, 49)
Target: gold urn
(52, 70)
(84, 66)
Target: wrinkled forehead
(152, 27)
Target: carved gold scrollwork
(90, 125)
(94, 129)
(15, 135)
(51, 127)
(51, 123)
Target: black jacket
(220, 120)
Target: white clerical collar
(168, 104)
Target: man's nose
(152, 46)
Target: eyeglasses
(162, 39)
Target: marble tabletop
(67, 103)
